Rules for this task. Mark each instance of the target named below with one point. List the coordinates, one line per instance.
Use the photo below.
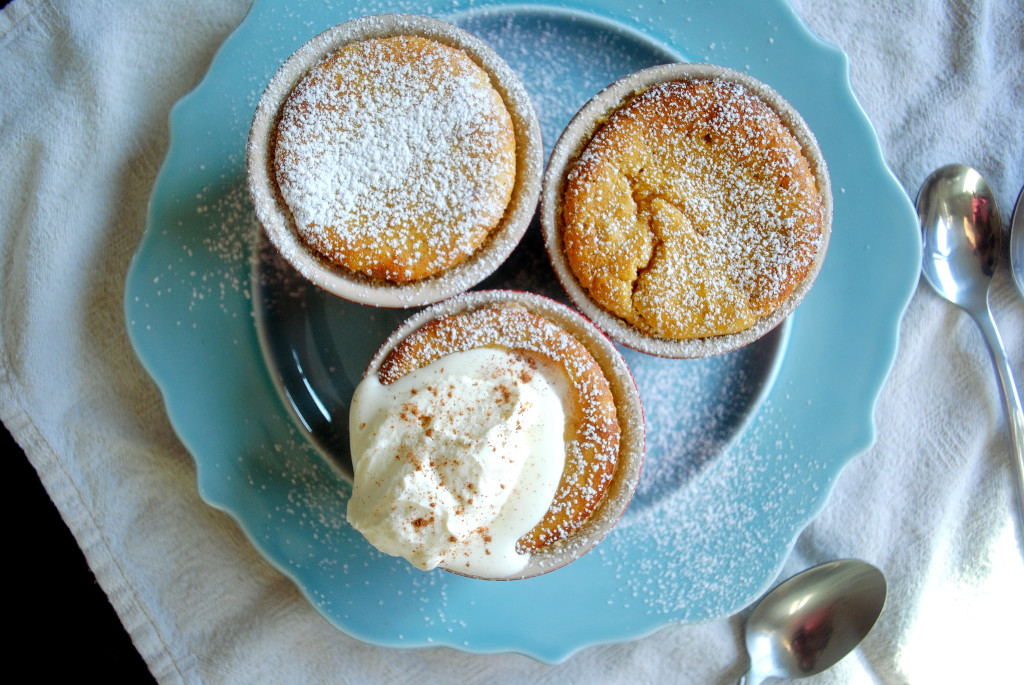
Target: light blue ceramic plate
(742, 449)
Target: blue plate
(256, 367)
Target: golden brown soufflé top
(396, 157)
(692, 211)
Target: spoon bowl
(814, 619)
(961, 234)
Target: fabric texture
(85, 91)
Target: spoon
(814, 619)
(962, 232)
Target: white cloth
(85, 90)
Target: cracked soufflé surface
(692, 211)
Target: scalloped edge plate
(726, 534)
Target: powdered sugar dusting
(666, 559)
(397, 284)
(694, 409)
(643, 250)
(691, 212)
(559, 58)
(396, 157)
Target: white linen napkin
(85, 91)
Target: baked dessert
(396, 156)
(696, 207)
(394, 160)
(486, 437)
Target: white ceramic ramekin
(571, 143)
(277, 220)
(627, 403)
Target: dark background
(63, 626)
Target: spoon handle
(1011, 400)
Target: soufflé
(394, 160)
(491, 441)
(694, 211)
(396, 156)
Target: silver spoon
(962, 233)
(813, 620)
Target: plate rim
(554, 655)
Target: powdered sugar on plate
(723, 488)
(694, 410)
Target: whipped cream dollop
(457, 460)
